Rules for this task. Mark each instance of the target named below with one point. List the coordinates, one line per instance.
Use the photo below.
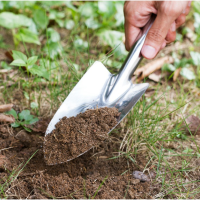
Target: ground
(159, 137)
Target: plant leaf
(60, 22)
(88, 9)
(195, 57)
(13, 113)
(53, 49)
(69, 24)
(32, 121)
(11, 21)
(168, 67)
(18, 62)
(79, 43)
(119, 16)
(40, 18)
(32, 60)
(106, 7)
(40, 71)
(27, 129)
(19, 55)
(24, 115)
(54, 35)
(5, 65)
(115, 40)
(34, 105)
(15, 124)
(92, 23)
(27, 36)
(185, 72)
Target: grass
(160, 140)
(5, 187)
(152, 129)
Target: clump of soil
(91, 174)
(76, 135)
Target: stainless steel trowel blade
(87, 94)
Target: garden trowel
(99, 88)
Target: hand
(170, 16)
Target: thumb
(156, 35)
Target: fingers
(180, 20)
(167, 14)
(136, 14)
(171, 35)
(156, 37)
(131, 35)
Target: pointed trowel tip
(141, 87)
(145, 86)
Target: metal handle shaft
(120, 83)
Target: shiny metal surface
(98, 87)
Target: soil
(75, 135)
(91, 175)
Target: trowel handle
(121, 83)
(134, 57)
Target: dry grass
(157, 135)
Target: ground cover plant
(45, 48)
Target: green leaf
(40, 18)
(1, 6)
(168, 67)
(111, 37)
(106, 7)
(79, 43)
(196, 6)
(53, 3)
(19, 55)
(28, 118)
(32, 60)
(53, 49)
(11, 21)
(54, 36)
(197, 20)
(40, 71)
(52, 14)
(27, 129)
(185, 72)
(60, 22)
(27, 36)
(12, 112)
(32, 27)
(115, 40)
(69, 24)
(119, 16)
(187, 150)
(71, 6)
(88, 9)
(24, 115)
(5, 65)
(16, 124)
(18, 62)
(195, 57)
(60, 14)
(32, 121)
(34, 105)
(92, 23)
(26, 95)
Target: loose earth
(100, 173)
(75, 135)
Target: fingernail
(148, 51)
(173, 27)
(189, 3)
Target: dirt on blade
(76, 135)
